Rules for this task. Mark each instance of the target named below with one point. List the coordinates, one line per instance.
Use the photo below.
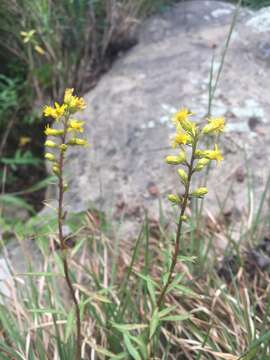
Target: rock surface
(128, 113)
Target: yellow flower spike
(201, 164)
(175, 199)
(50, 143)
(215, 125)
(214, 154)
(183, 176)
(75, 125)
(50, 157)
(200, 192)
(77, 141)
(53, 132)
(184, 218)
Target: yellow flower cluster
(188, 133)
(65, 134)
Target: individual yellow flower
(183, 176)
(176, 160)
(200, 192)
(53, 132)
(181, 115)
(50, 157)
(213, 154)
(215, 125)
(56, 169)
(57, 112)
(74, 103)
(24, 140)
(201, 164)
(39, 50)
(75, 125)
(63, 147)
(175, 199)
(180, 138)
(50, 143)
(181, 120)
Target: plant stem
(179, 229)
(64, 247)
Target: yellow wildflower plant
(188, 136)
(64, 137)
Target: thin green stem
(179, 229)
(64, 247)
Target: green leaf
(154, 322)
(46, 274)
(185, 290)
(176, 317)
(46, 311)
(70, 324)
(151, 290)
(191, 259)
(166, 311)
(16, 201)
(128, 327)
(103, 351)
(130, 348)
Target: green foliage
(256, 4)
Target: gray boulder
(128, 113)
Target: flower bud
(56, 170)
(63, 147)
(50, 143)
(199, 154)
(201, 164)
(183, 176)
(77, 141)
(53, 132)
(175, 199)
(176, 160)
(200, 192)
(50, 157)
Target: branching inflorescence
(189, 134)
(64, 135)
